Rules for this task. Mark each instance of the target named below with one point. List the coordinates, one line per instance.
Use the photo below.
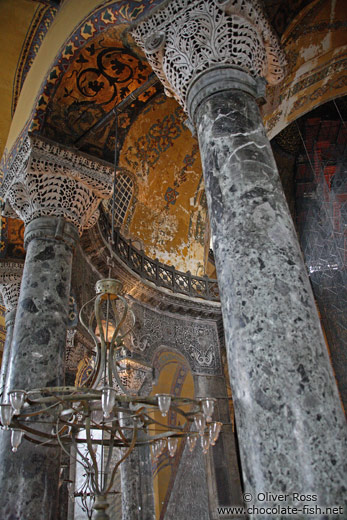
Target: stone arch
(75, 24)
(315, 46)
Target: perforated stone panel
(185, 38)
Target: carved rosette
(185, 38)
(47, 179)
(10, 280)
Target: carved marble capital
(46, 179)
(10, 280)
(185, 38)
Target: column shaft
(29, 478)
(223, 476)
(137, 483)
(289, 418)
(9, 321)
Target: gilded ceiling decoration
(112, 15)
(11, 238)
(282, 12)
(103, 74)
(164, 212)
(169, 212)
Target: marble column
(37, 361)
(56, 194)
(223, 474)
(212, 55)
(10, 280)
(137, 485)
(136, 470)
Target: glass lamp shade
(172, 446)
(164, 402)
(214, 431)
(155, 450)
(191, 440)
(158, 447)
(108, 399)
(205, 443)
(6, 412)
(207, 404)
(17, 399)
(16, 439)
(96, 416)
(200, 422)
(161, 446)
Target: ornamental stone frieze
(10, 280)
(184, 38)
(46, 179)
(196, 339)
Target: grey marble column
(9, 323)
(136, 470)
(29, 478)
(137, 485)
(290, 421)
(223, 476)
(10, 280)
(213, 56)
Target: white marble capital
(185, 38)
(10, 279)
(47, 179)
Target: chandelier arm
(92, 455)
(121, 320)
(88, 328)
(103, 348)
(109, 364)
(122, 436)
(186, 415)
(94, 373)
(117, 378)
(87, 466)
(109, 458)
(47, 443)
(93, 376)
(36, 433)
(127, 453)
(98, 317)
(39, 412)
(125, 312)
(153, 421)
(69, 452)
(169, 433)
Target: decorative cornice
(47, 179)
(183, 38)
(10, 280)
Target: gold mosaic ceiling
(167, 213)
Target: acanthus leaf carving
(184, 38)
(50, 180)
(10, 281)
